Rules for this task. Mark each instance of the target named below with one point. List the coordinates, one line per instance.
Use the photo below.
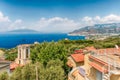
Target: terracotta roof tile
(96, 66)
(78, 57)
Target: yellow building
(99, 64)
(76, 62)
(104, 64)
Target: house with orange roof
(75, 60)
(99, 64)
(104, 64)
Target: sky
(51, 16)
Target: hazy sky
(56, 15)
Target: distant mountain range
(23, 31)
(99, 29)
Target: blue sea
(12, 40)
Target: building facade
(99, 64)
(23, 54)
(22, 58)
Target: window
(20, 54)
(27, 53)
(19, 62)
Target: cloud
(6, 24)
(87, 21)
(112, 18)
(56, 24)
(3, 18)
(17, 24)
(59, 24)
(18, 21)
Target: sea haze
(12, 40)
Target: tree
(17, 74)
(28, 72)
(54, 70)
(4, 76)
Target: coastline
(75, 35)
(12, 40)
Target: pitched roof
(78, 57)
(99, 68)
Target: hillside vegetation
(49, 58)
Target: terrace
(107, 57)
